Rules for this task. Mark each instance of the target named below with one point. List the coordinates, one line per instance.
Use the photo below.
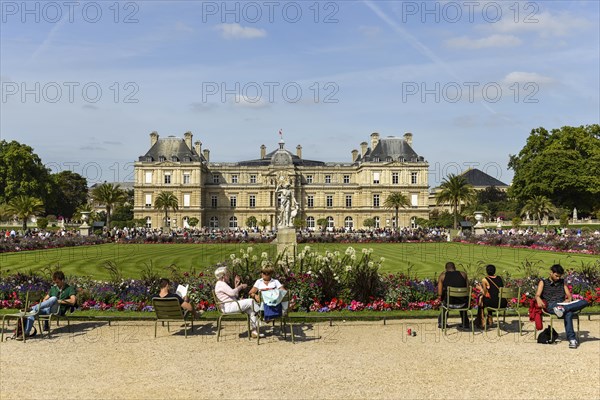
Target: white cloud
(526, 77)
(465, 42)
(249, 102)
(183, 27)
(369, 31)
(236, 31)
(545, 24)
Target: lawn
(423, 259)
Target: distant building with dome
(224, 195)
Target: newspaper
(182, 290)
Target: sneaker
(559, 311)
(573, 344)
(255, 334)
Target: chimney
(408, 138)
(198, 147)
(206, 153)
(374, 140)
(153, 138)
(263, 151)
(188, 139)
(299, 151)
(363, 148)
(354, 155)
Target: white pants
(247, 306)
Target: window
(148, 222)
(167, 178)
(148, 200)
(348, 223)
(413, 178)
(346, 178)
(414, 200)
(215, 178)
(310, 201)
(327, 178)
(376, 159)
(348, 201)
(233, 201)
(252, 178)
(394, 178)
(214, 222)
(148, 177)
(233, 223)
(186, 179)
(213, 200)
(329, 201)
(309, 179)
(162, 158)
(234, 179)
(377, 221)
(376, 201)
(186, 199)
(330, 222)
(310, 222)
(252, 201)
(376, 178)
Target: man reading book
(165, 292)
(554, 292)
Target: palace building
(224, 195)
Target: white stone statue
(288, 208)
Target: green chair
(219, 306)
(56, 315)
(508, 294)
(447, 307)
(169, 310)
(21, 316)
(553, 317)
(284, 320)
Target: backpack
(544, 336)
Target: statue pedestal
(286, 242)
(85, 230)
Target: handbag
(545, 338)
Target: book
(564, 303)
(182, 290)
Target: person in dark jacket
(454, 278)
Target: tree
(562, 165)
(369, 223)
(263, 223)
(166, 201)
(24, 207)
(538, 206)
(193, 221)
(22, 173)
(455, 190)
(322, 222)
(251, 222)
(109, 195)
(71, 191)
(395, 201)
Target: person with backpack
(490, 292)
(60, 297)
(554, 295)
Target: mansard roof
(171, 148)
(296, 161)
(391, 148)
(479, 178)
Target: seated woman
(230, 296)
(165, 292)
(490, 288)
(266, 282)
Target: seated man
(554, 290)
(165, 292)
(61, 295)
(454, 278)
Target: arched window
(148, 222)
(377, 222)
(330, 222)
(233, 223)
(310, 222)
(214, 222)
(348, 223)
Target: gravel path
(351, 360)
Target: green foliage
(396, 201)
(562, 165)
(123, 212)
(369, 222)
(24, 207)
(42, 223)
(263, 223)
(322, 222)
(440, 219)
(70, 191)
(299, 222)
(193, 221)
(564, 220)
(109, 195)
(251, 221)
(538, 207)
(454, 190)
(516, 222)
(166, 201)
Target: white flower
(365, 251)
(348, 268)
(349, 251)
(370, 250)
(353, 257)
(254, 258)
(264, 255)
(309, 272)
(232, 256)
(382, 259)
(250, 249)
(370, 264)
(307, 249)
(246, 255)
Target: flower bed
(318, 283)
(586, 244)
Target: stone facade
(225, 195)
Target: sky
(84, 83)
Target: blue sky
(468, 79)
